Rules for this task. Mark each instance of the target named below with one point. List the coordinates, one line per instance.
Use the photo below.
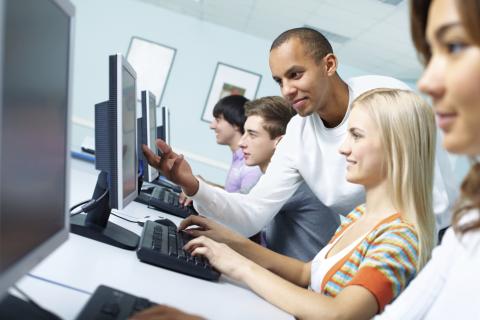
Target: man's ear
(331, 64)
(277, 140)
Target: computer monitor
(148, 133)
(35, 93)
(116, 157)
(163, 130)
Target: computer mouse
(166, 222)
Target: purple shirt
(241, 178)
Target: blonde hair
(408, 133)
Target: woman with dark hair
(446, 33)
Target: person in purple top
(229, 118)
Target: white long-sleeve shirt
(448, 287)
(309, 152)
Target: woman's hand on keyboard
(202, 226)
(220, 256)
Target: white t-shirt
(321, 264)
(309, 151)
(448, 286)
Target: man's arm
(245, 213)
(249, 213)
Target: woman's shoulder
(395, 230)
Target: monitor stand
(12, 307)
(95, 224)
(112, 234)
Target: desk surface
(81, 264)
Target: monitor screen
(148, 133)
(163, 129)
(33, 132)
(129, 118)
(152, 128)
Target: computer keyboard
(108, 303)
(165, 200)
(164, 182)
(162, 245)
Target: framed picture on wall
(152, 61)
(230, 80)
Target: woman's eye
(455, 47)
(354, 135)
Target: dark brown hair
(469, 11)
(314, 43)
(275, 112)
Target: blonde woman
(381, 245)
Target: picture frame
(153, 63)
(228, 80)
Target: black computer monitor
(35, 82)
(148, 133)
(116, 157)
(163, 129)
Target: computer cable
(27, 298)
(140, 223)
(87, 205)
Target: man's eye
(295, 75)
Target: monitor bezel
(166, 123)
(22, 266)
(124, 200)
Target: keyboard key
(141, 304)
(111, 308)
(172, 245)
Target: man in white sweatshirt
(303, 64)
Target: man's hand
(161, 312)
(211, 229)
(172, 166)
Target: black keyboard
(162, 246)
(165, 200)
(110, 304)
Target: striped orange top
(384, 262)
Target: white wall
(105, 27)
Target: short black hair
(232, 108)
(314, 42)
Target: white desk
(84, 264)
